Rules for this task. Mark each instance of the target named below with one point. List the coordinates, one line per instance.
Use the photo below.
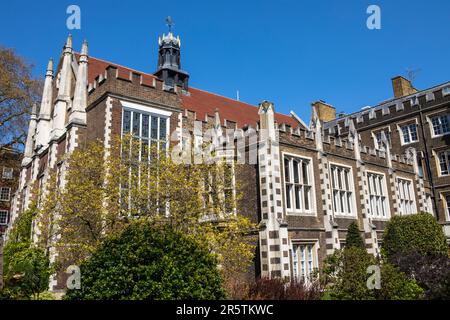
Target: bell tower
(169, 60)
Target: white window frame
(1, 193)
(444, 196)
(8, 173)
(297, 269)
(430, 118)
(400, 127)
(438, 161)
(353, 211)
(312, 201)
(407, 203)
(385, 193)
(6, 212)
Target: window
(304, 260)
(3, 217)
(447, 203)
(298, 185)
(342, 183)
(5, 194)
(377, 194)
(444, 162)
(7, 173)
(149, 129)
(405, 193)
(440, 124)
(378, 135)
(409, 133)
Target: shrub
(28, 273)
(149, 262)
(277, 289)
(353, 238)
(395, 285)
(432, 272)
(414, 233)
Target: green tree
(353, 238)
(28, 273)
(414, 233)
(148, 261)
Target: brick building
(416, 119)
(303, 184)
(9, 177)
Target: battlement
(391, 107)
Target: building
(416, 119)
(9, 170)
(303, 184)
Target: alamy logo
(74, 280)
(74, 20)
(374, 280)
(374, 20)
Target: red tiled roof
(199, 101)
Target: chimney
(325, 112)
(402, 87)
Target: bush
(432, 272)
(149, 262)
(277, 289)
(27, 273)
(414, 233)
(353, 238)
(345, 275)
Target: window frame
(387, 131)
(8, 169)
(1, 193)
(412, 203)
(314, 243)
(385, 192)
(4, 211)
(439, 115)
(408, 124)
(312, 200)
(353, 214)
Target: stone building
(303, 184)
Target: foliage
(395, 285)
(354, 238)
(414, 233)
(345, 277)
(432, 272)
(28, 273)
(105, 189)
(18, 91)
(21, 229)
(148, 261)
(277, 289)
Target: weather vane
(169, 23)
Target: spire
(78, 112)
(43, 126)
(169, 60)
(65, 85)
(29, 145)
(353, 137)
(267, 120)
(316, 127)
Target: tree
(345, 275)
(353, 238)
(28, 273)
(106, 189)
(18, 92)
(149, 261)
(432, 272)
(414, 233)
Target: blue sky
(289, 52)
